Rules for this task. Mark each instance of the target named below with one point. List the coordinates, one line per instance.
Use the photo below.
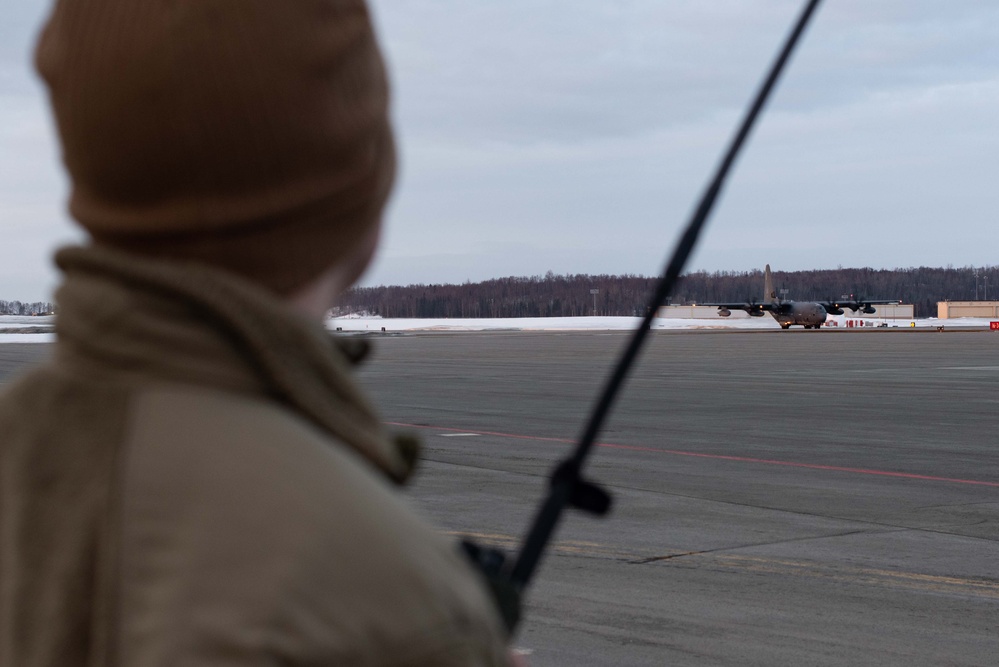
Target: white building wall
(889, 311)
(949, 309)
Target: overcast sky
(541, 135)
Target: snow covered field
(26, 321)
(27, 338)
(9, 324)
(376, 324)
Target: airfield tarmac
(781, 498)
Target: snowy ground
(376, 324)
(10, 323)
(25, 321)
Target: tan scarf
(190, 323)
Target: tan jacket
(195, 480)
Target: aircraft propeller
(833, 307)
(753, 308)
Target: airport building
(986, 309)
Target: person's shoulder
(270, 523)
(242, 443)
(57, 418)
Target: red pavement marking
(723, 457)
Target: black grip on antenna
(583, 494)
(491, 565)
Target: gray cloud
(587, 132)
(539, 135)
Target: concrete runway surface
(781, 498)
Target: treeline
(923, 287)
(22, 308)
(554, 295)
(540, 296)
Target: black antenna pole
(568, 486)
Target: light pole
(976, 283)
(985, 284)
(594, 292)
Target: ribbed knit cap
(251, 135)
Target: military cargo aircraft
(809, 314)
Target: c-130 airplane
(809, 314)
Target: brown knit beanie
(251, 135)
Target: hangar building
(949, 309)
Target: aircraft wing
(862, 305)
(754, 309)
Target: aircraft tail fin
(769, 294)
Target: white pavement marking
(456, 435)
(968, 368)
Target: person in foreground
(195, 479)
